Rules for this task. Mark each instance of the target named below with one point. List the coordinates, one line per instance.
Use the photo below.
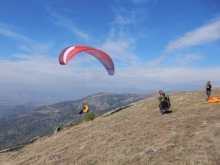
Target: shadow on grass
(167, 111)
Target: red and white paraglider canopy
(103, 57)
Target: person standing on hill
(208, 89)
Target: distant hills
(15, 102)
(29, 98)
(20, 128)
(20, 101)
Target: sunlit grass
(135, 135)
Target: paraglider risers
(81, 112)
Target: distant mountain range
(20, 128)
(30, 98)
(20, 101)
(15, 102)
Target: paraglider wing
(103, 57)
(214, 100)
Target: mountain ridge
(20, 128)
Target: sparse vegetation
(22, 147)
(20, 128)
(71, 125)
(136, 135)
(88, 117)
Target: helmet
(160, 91)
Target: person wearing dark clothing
(208, 89)
(164, 102)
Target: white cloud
(119, 49)
(156, 61)
(15, 36)
(125, 17)
(37, 71)
(44, 73)
(36, 48)
(186, 59)
(25, 43)
(202, 35)
(68, 24)
(124, 20)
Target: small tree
(88, 117)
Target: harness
(85, 108)
(165, 102)
(165, 98)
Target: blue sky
(155, 44)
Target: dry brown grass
(136, 135)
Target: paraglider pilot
(85, 109)
(164, 102)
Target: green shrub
(22, 147)
(88, 117)
(71, 125)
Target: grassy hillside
(135, 135)
(21, 128)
